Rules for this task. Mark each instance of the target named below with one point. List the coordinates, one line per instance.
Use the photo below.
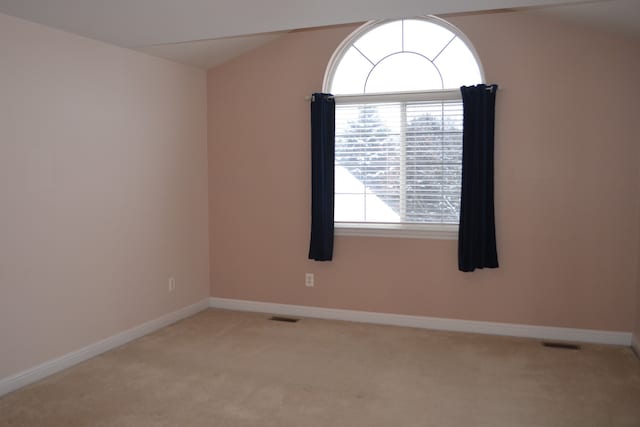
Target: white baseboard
(21, 379)
(50, 367)
(472, 326)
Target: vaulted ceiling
(206, 32)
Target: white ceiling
(621, 16)
(210, 53)
(206, 33)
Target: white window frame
(397, 230)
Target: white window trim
(398, 230)
(427, 95)
(342, 47)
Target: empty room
(338, 213)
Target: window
(399, 127)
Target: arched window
(399, 126)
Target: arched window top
(417, 54)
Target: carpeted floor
(222, 368)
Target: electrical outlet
(308, 280)
(172, 284)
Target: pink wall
(567, 193)
(636, 327)
(636, 330)
(103, 184)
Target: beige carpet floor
(223, 368)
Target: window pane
(351, 73)
(368, 148)
(397, 56)
(425, 37)
(354, 202)
(349, 207)
(458, 66)
(434, 158)
(379, 211)
(403, 72)
(381, 41)
(399, 162)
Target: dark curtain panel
(323, 110)
(477, 233)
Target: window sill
(406, 231)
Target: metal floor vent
(284, 319)
(561, 345)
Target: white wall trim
(437, 323)
(21, 379)
(406, 231)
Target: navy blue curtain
(477, 233)
(323, 112)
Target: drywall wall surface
(636, 326)
(566, 184)
(103, 184)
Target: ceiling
(205, 33)
(620, 16)
(210, 53)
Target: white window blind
(398, 161)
